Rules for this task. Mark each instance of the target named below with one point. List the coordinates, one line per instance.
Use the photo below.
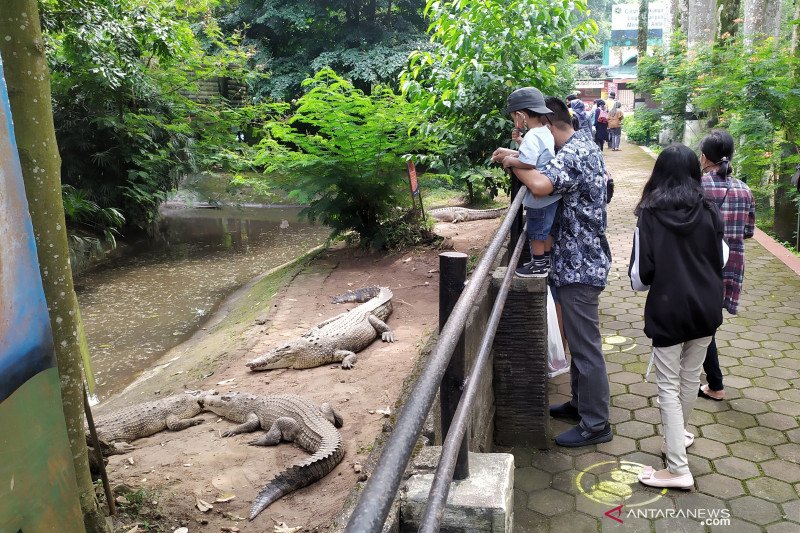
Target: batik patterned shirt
(580, 249)
(738, 210)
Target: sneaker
(577, 436)
(564, 410)
(532, 270)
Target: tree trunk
(680, 16)
(729, 11)
(29, 93)
(772, 20)
(754, 20)
(701, 22)
(641, 44)
(786, 210)
(389, 15)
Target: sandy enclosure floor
(197, 463)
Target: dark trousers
(589, 379)
(600, 143)
(711, 367)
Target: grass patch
(259, 297)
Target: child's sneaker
(533, 270)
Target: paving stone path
(746, 457)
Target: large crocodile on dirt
(463, 214)
(336, 339)
(116, 430)
(287, 418)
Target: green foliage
(342, 153)
(643, 126)
(749, 89)
(366, 41)
(483, 50)
(122, 71)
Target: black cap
(527, 98)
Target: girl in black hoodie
(678, 255)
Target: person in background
(579, 111)
(737, 206)
(600, 120)
(678, 255)
(615, 118)
(581, 259)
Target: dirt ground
(176, 469)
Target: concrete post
(520, 365)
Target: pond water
(138, 306)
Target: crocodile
(336, 339)
(116, 430)
(463, 214)
(286, 418)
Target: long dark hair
(717, 146)
(675, 181)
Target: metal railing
(376, 500)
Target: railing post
(519, 223)
(452, 276)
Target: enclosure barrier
(375, 502)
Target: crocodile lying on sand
(338, 338)
(463, 214)
(287, 418)
(115, 430)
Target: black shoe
(532, 270)
(564, 410)
(577, 436)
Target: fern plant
(344, 153)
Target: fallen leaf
(406, 260)
(203, 506)
(187, 465)
(181, 530)
(226, 381)
(385, 412)
(224, 498)
(122, 500)
(134, 529)
(130, 460)
(232, 516)
(357, 467)
(281, 527)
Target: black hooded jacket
(680, 256)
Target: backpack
(602, 118)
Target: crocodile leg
(175, 423)
(284, 428)
(116, 448)
(381, 327)
(347, 358)
(251, 424)
(331, 415)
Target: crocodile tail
(329, 454)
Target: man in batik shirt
(581, 259)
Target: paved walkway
(745, 458)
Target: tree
(29, 93)
(643, 33)
(483, 49)
(701, 27)
(366, 41)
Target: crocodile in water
(336, 339)
(287, 418)
(115, 430)
(463, 214)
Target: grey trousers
(614, 135)
(588, 376)
(678, 373)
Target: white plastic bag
(556, 360)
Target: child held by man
(528, 110)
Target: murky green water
(137, 307)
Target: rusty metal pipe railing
(437, 498)
(379, 493)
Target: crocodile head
(282, 357)
(225, 404)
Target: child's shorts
(540, 221)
